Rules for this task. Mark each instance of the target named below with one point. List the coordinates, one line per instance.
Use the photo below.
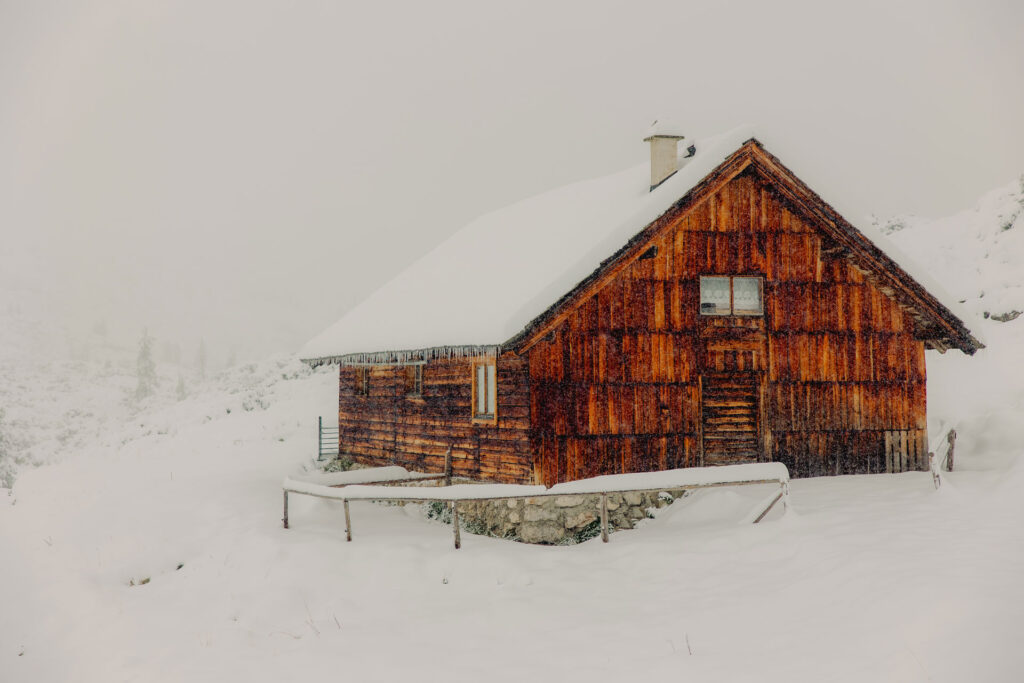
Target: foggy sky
(245, 171)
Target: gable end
(934, 323)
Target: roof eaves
(407, 356)
(863, 248)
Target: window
(413, 380)
(731, 296)
(714, 296)
(485, 391)
(746, 296)
(362, 381)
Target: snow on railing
(372, 485)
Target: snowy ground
(868, 578)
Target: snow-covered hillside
(978, 253)
(978, 257)
(145, 543)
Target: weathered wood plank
(839, 362)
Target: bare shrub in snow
(12, 454)
(7, 466)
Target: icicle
(407, 356)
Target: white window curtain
(714, 295)
(746, 295)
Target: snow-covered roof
(481, 287)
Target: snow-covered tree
(181, 388)
(145, 367)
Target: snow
(670, 479)
(454, 492)
(363, 476)
(480, 287)
(637, 481)
(978, 252)
(866, 578)
(486, 282)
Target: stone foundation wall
(548, 519)
(559, 519)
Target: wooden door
(729, 418)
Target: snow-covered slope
(151, 549)
(978, 255)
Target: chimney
(664, 139)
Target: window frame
(362, 380)
(414, 381)
(490, 395)
(760, 295)
(732, 312)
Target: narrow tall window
(413, 380)
(362, 381)
(485, 391)
(731, 296)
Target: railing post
(604, 517)
(455, 524)
(319, 436)
(448, 467)
(951, 438)
(285, 518)
(778, 496)
(348, 522)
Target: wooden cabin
(726, 314)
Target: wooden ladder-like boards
(729, 419)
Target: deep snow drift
(147, 544)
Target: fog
(245, 171)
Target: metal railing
(453, 495)
(942, 457)
(327, 441)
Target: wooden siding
(840, 376)
(391, 427)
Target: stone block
(539, 513)
(569, 501)
(579, 519)
(633, 498)
(541, 532)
